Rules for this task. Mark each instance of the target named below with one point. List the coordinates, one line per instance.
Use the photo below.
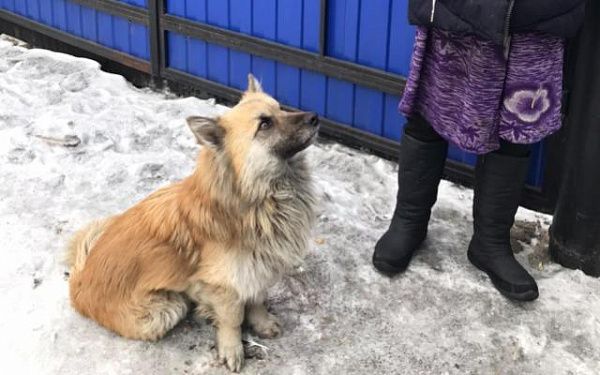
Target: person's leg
(418, 128)
(420, 166)
(513, 149)
(499, 181)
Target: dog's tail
(82, 243)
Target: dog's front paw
(268, 327)
(232, 356)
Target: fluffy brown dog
(219, 238)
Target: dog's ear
(253, 84)
(208, 132)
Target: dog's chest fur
(274, 238)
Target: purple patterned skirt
(473, 97)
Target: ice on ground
(77, 143)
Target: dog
(216, 240)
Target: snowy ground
(77, 143)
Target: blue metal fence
(371, 33)
(99, 27)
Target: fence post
(575, 231)
(323, 28)
(154, 11)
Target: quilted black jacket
(495, 20)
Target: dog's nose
(311, 119)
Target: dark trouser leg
(418, 128)
(499, 180)
(420, 166)
(513, 149)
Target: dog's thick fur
(218, 239)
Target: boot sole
(387, 269)
(527, 296)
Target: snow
(77, 143)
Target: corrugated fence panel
(310, 24)
(176, 47)
(363, 31)
(240, 20)
(121, 34)
(177, 7)
(89, 22)
(313, 92)
(46, 12)
(105, 30)
(373, 37)
(196, 49)
(289, 32)
(295, 12)
(33, 9)
(8, 5)
(313, 86)
(401, 36)
(376, 28)
(218, 57)
(372, 51)
(59, 15)
(537, 166)
(264, 25)
(295, 24)
(393, 122)
(342, 43)
(399, 50)
(342, 101)
(73, 18)
(139, 41)
(21, 7)
(457, 154)
(308, 93)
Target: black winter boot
(420, 170)
(499, 181)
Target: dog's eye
(265, 123)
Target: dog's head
(256, 135)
